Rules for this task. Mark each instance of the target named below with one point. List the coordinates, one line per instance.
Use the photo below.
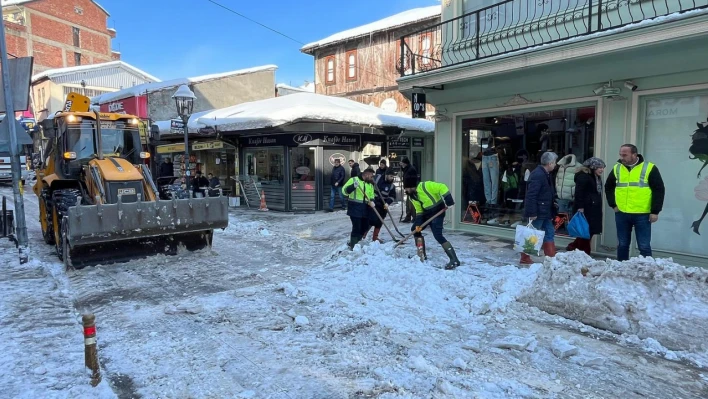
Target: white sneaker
(515, 224)
(492, 221)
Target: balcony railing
(514, 25)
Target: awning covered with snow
(304, 107)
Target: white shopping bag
(528, 240)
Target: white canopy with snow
(299, 107)
(394, 21)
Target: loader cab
(73, 140)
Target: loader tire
(46, 213)
(62, 200)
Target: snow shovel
(393, 220)
(366, 198)
(427, 222)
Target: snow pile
(399, 292)
(303, 107)
(651, 298)
(394, 21)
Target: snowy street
(279, 308)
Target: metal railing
(514, 25)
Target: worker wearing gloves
(359, 205)
(385, 195)
(429, 198)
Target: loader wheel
(63, 200)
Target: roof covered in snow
(152, 87)
(306, 88)
(21, 2)
(55, 73)
(301, 107)
(394, 21)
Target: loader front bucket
(118, 232)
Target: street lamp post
(184, 100)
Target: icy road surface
(274, 312)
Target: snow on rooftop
(394, 21)
(152, 87)
(52, 73)
(304, 107)
(301, 89)
(20, 2)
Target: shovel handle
(427, 222)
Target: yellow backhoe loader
(98, 202)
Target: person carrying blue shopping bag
(578, 226)
(588, 202)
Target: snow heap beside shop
(643, 299)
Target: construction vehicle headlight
(144, 155)
(73, 119)
(70, 155)
(134, 121)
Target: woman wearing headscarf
(588, 200)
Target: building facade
(363, 63)
(58, 33)
(50, 87)
(580, 79)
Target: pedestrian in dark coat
(385, 195)
(337, 181)
(540, 204)
(410, 179)
(167, 169)
(355, 170)
(588, 200)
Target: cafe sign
(211, 145)
(170, 148)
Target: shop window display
(675, 129)
(266, 164)
(500, 152)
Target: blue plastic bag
(579, 227)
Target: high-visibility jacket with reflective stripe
(356, 195)
(430, 196)
(632, 193)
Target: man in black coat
(410, 179)
(540, 204)
(381, 171)
(166, 168)
(385, 195)
(355, 171)
(336, 179)
(198, 182)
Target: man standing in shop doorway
(337, 180)
(360, 192)
(635, 190)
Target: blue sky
(181, 38)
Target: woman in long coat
(588, 200)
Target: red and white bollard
(90, 351)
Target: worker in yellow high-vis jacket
(429, 198)
(360, 199)
(635, 190)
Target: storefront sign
(418, 105)
(170, 148)
(337, 155)
(132, 105)
(176, 126)
(300, 138)
(212, 145)
(399, 142)
(417, 142)
(684, 107)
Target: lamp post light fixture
(184, 100)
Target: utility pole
(21, 226)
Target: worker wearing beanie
(429, 198)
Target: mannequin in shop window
(545, 136)
(490, 176)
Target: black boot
(353, 241)
(420, 247)
(450, 251)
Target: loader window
(121, 142)
(80, 141)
